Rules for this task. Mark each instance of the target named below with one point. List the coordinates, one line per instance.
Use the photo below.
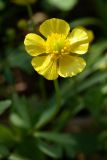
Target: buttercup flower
(59, 53)
(23, 2)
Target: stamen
(65, 48)
(56, 52)
(57, 44)
(62, 50)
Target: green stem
(58, 95)
(30, 13)
(50, 113)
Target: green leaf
(17, 157)
(2, 5)
(4, 105)
(70, 151)
(28, 149)
(54, 151)
(96, 50)
(8, 75)
(20, 115)
(103, 140)
(99, 78)
(62, 4)
(82, 86)
(61, 141)
(67, 115)
(101, 63)
(6, 135)
(18, 121)
(3, 151)
(46, 116)
(103, 120)
(86, 143)
(101, 6)
(19, 58)
(95, 107)
(59, 138)
(85, 22)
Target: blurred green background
(30, 129)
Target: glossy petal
(54, 25)
(90, 35)
(34, 44)
(79, 40)
(70, 65)
(45, 66)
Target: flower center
(57, 44)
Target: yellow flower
(23, 2)
(59, 53)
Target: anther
(56, 52)
(65, 48)
(62, 50)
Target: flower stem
(58, 95)
(30, 13)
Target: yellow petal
(34, 44)
(90, 35)
(45, 66)
(70, 65)
(54, 25)
(79, 40)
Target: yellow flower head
(23, 2)
(60, 53)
